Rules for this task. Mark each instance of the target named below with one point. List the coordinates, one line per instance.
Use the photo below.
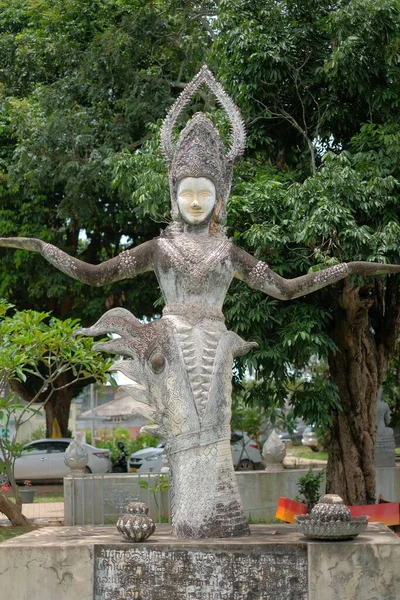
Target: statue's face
(196, 199)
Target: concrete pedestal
(275, 563)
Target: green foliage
(308, 486)
(161, 484)
(318, 86)
(339, 214)
(49, 497)
(38, 433)
(33, 344)
(144, 440)
(81, 89)
(313, 456)
(253, 413)
(141, 178)
(307, 74)
(121, 433)
(246, 418)
(391, 389)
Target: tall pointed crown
(199, 151)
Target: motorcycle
(121, 464)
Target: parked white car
(246, 456)
(44, 459)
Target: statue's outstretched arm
(127, 264)
(259, 276)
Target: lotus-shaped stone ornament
(330, 519)
(76, 457)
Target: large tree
(313, 78)
(80, 85)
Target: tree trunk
(365, 332)
(58, 407)
(59, 404)
(13, 512)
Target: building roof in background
(124, 405)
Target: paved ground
(291, 460)
(45, 513)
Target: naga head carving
(156, 363)
(153, 362)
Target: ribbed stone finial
(274, 451)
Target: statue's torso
(194, 274)
(194, 270)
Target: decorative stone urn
(330, 519)
(136, 525)
(274, 451)
(76, 457)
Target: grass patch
(252, 521)
(8, 532)
(42, 498)
(313, 455)
(49, 497)
(306, 452)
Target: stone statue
(183, 361)
(385, 447)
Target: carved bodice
(194, 270)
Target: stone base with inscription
(202, 571)
(275, 563)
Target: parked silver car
(310, 438)
(296, 436)
(44, 459)
(246, 456)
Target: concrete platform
(275, 563)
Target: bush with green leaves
(35, 344)
(144, 440)
(309, 488)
